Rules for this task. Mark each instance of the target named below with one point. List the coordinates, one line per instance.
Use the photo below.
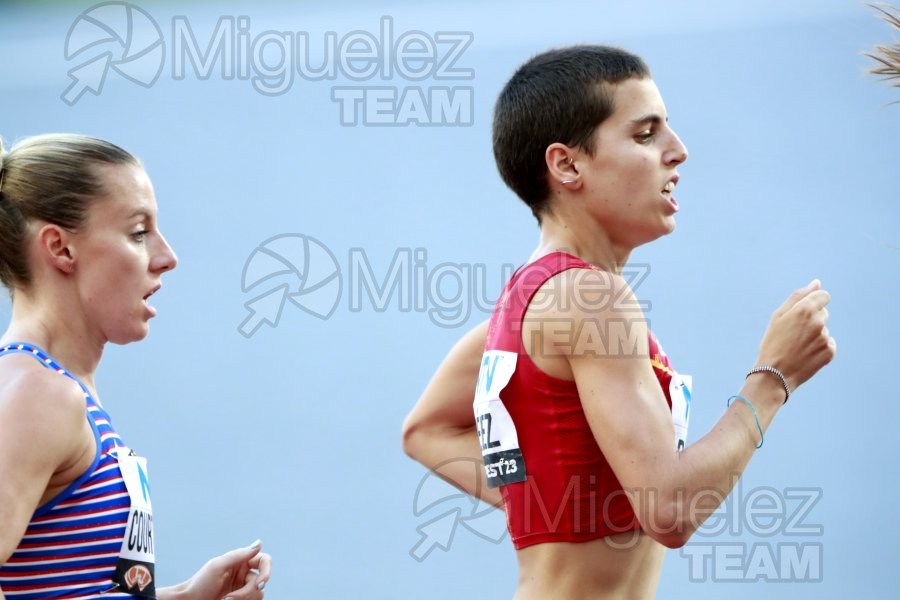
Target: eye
(138, 236)
(644, 137)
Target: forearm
(453, 454)
(702, 475)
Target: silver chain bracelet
(776, 373)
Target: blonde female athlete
(579, 417)
(81, 252)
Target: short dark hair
(562, 95)
(52, 178)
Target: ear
(55, 247)
(562, 167)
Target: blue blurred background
(269, 397)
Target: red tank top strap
(504, 330)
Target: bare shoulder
(583, 313)
(42, 435)
(38, 400)
(593, 292)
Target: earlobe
(54, 244)
(562, 166)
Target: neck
(584, 239)
(50, 323)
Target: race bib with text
(503, 461)
(137, 558)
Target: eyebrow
(141, 212)
(648, 119)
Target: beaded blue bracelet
(755, 416)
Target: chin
(668, 226)
(652, 236)
(122, 338)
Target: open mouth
(667, 192)
(151, 310)
(151, 292)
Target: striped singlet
(72, 543)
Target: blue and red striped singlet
(72, 543)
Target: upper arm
(41, 417)
(621, 396)
(447, 400)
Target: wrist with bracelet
(775, 372)
(787, 394)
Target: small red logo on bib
(138, 576)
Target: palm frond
(887, 56)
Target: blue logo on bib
(145, 484)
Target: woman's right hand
(797, 341)
(239, 574)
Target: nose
(677, 153)
(164, 259)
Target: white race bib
(503, 461)
(137, 558)
(680, 392)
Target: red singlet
(556, 484)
